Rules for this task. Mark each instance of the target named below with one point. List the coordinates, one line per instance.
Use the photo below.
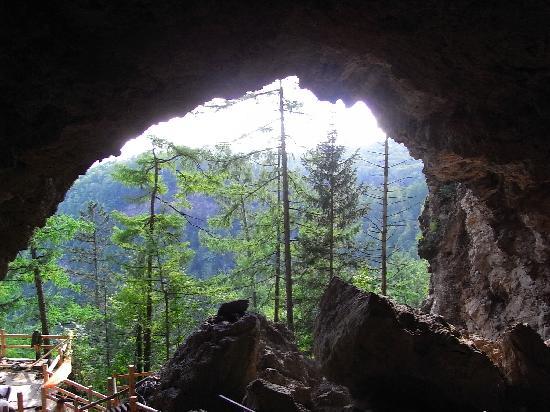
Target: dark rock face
(489, 267)
(248, 360)
(464, 85)
(220, 358)
(525, 363)
(398, 358)
(231, 311)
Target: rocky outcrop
(247, 359)
(394, 357)
(489, 267)
(525, 364)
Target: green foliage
(41, 263)
(408, 280)
(328, 242)
(211, 238)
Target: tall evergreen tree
(150, 236)
(93, 266)
(40, 264)
(328, 243)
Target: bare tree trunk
(249, 255)
(147, 332)
(96, 269)
(286, 217)
(166, 322)
(106, 324)
(384, 240)
(139, 346)
(39, 286)
(331, 233)
(166, 299)
(278, 247)
(331, 217)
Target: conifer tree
(152, 237)
(333, 203)
(40, 264)
(93, 266)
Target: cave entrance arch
(465, 89)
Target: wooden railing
(68, 394)
(5, 344)
(74, 396)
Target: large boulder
(248, 359)
(218, 359)
(525, 364)
(398, 358)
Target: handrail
(110, 399)
(244, 408)
(106, 399)
(57, 371)
(36, 348)
(27, 336)
(47, 353)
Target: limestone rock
(263, 396)
(525, 364)
(490, 269)
(248, 355)
(399, 358)
(219, 358)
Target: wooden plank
(83, 388)
(71, 395)
(75, 385)
(55, 336)
(18, 335)
(44, 391)
(54, 363)
(2, 343)
(132, 380)
(77, 398)
(20, 406)
(27, 336)
(133, 404)
(137, 374)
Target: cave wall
(464, 85)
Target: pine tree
(93, 266)
(328, 243)
(385, 226)
(152, 237)
(246, 222)
(40, 264)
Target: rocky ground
(371, 354)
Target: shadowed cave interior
(465, 87)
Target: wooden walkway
(43, 384)
(26, 383)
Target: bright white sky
(237, 124)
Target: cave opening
(227, 229)
(464, 87)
